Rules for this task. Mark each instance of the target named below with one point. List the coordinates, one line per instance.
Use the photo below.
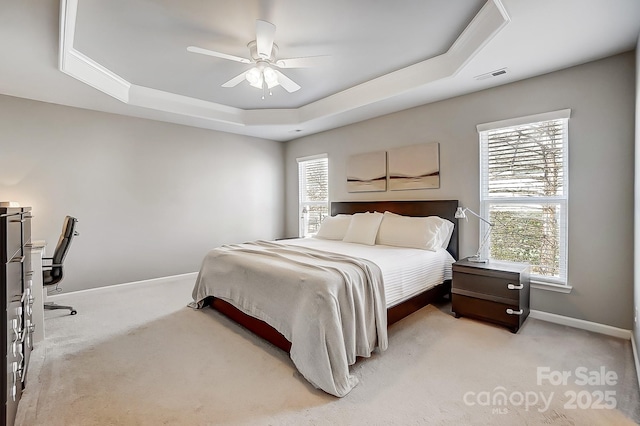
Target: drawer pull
(17, 221)
(30, 328)
(13, 390)
(515, 287)
(16, 330)
(17, 259)
(512, 312)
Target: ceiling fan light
(258, 84)
(254, 77)
(270, 77)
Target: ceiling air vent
(491, 74)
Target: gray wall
(601, 164)
(151, 198)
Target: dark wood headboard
(446, 209)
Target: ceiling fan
(263, 52)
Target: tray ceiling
(383, 56)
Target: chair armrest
(50, 265)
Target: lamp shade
(254, 77)
(460, 214)
(270, 77)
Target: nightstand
(496, 291)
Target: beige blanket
(330, 306)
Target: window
(523, 192)
(313, 205)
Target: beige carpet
(136, 355)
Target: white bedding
(329, 306)
(406, 271)
(328, 298)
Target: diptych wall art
(414, 167)
(367, 172)
(408, 167)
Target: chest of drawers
(496, 291)
(16, 277)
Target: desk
(37, 253)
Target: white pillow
(363, 228)
(334, 227)
(446, 231)
(426, 233)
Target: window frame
(302, 229)
(561, 283)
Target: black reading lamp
(461, 213)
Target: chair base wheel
(54, 306)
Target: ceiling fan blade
(194, 49)
(288, 84)
(303, 62)
(265, 33)
(235, 80)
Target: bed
(324, 305)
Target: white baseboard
(150, 281)
(582, 324)
(636, 356)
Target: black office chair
(52, 271)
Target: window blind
(524, 193)
(313, 179)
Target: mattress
(405, 271)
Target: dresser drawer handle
(26, 294)
(16, 330)
(13, 390)
(515, 287)
(17, 220)
(512, 312)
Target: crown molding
(489, 21)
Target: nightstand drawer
(505, 287)
(490, 311)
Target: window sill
(559, 288)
